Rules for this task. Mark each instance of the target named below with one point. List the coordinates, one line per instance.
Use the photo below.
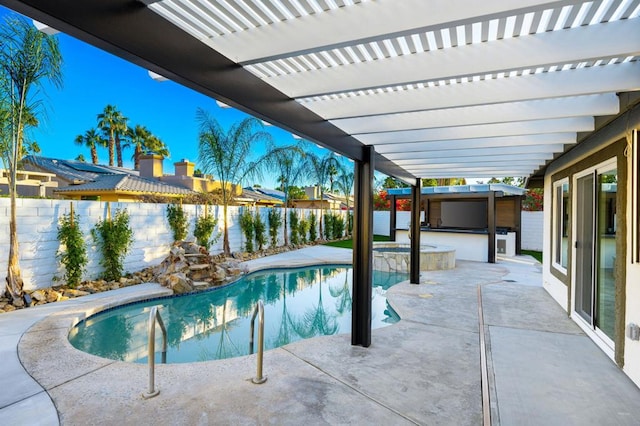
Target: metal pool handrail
(258, 311)
(154, 316)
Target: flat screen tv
(464, 214)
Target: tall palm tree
(290, 164)
(113, 124)
(92, 140)
(144, 142)
(28, 58)
(320, 170)
(226, 154)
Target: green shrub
(293, 226)
(205, 225)
(248, 229)
(114, 238)
(260, 230)
(350, 223)
(303, 230)
(275, 222)
(178, 222)
(338, 226)
(74, 256)
(328, 226)
(313, 227)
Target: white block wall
(532, 230)
(37, 222)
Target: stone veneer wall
(38, 226)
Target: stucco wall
(37, 222)
(532, 225)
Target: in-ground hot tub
(391, 256)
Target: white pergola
(442, 88)
(413, 88)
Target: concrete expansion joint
(81, 375)
(365, 395)
(565, 333)
(444, 327)
(27, 397)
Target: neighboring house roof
(74, 171)
(254, 195)
(123, 183)
(454, 189)
(270, 192)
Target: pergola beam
(503, 141)
(518, 128)
(583, 81)
(472, 159)
(574, 106)
(608, 40)
(362, 23)
(475, 152)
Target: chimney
(184, 168)
(313, 192)
(151, 166)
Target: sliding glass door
(595, 249)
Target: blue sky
(94, 79)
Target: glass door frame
(598, 336)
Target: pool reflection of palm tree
(288, 326)
(317, 321)
(342, 294)
(225, 348)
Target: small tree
(205, 225)
(293, 224)
(260, 229)
(328, 226)
(303, 230)
(248, 229)
(337, 226)
(178, 221)
(313, 230)
(73, 251)
(114, 238)
(275, 221)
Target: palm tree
(345, 186)
(144, 142)
(226, 155)
(320, 169)
(92, 140)
(289, 162)
(114, 125)
(28, 57)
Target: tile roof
(127, 183)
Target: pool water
(298, 304)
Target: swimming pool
(298, 304)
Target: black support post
(491, 218)
(362, 249)
(518, 217)
(414, 270)
(392, 218)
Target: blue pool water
(298, 304)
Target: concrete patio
(423, 370)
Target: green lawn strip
(536, 254)
(349, 243)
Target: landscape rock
(39, 296)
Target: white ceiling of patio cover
(443, 88)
